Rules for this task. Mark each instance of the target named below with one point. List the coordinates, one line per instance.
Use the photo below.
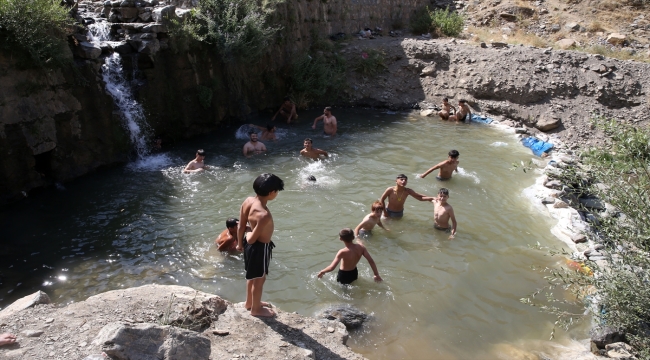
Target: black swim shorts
(257, 257)
(347, 276)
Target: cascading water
(130, 110)
(120, 89)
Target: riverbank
(223, 330)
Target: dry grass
(616, 53)
(595, 26)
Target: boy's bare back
(350, 256)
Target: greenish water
(146, 222)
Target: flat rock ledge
(80, 330)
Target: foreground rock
(115, 322)
(350, 316)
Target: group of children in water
(252, 232)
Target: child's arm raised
(422, 176)
(366, 254)
(332, 266)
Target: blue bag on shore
(481, 119)
(538, 146)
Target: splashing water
(130, 110)
(242, 132)
(499, 143)
(153, 163)
(469, 174)
(99, 31)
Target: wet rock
(350, 316)
(164, 14)
(145, 16)
(603, 336)
(521, 131)
(579, 238)
(150, 341)
(620, 350)
(554, 184)
(565, 43)
(547, 124)
(616, 39)
(592, 203)
(121, 47)
(154, 28)
(32, 333)
(548, 200)
(88, 50)
(23, 303)
(428, 112)
(145, 43)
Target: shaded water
(146, 222)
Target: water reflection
(146, 222)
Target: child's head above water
(346, 234)
(443, 192)
(377, 205)
(454, 154)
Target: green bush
(371, 65)
(205, 96)
(445, 22)
(618, 174)
(314, 77)
(240, 29)
(36, 28)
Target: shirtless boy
(197, 164)
(310, 151)
(368, 223)
(253, 146)
(257, 244)
(268, 132)
(227, 240)
(287, 110)
(329, 122)
(464, 113)
(446, 109)
(446, 168)
(397, 195)
(443, 212)
(349, 258)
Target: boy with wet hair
(197, 164)
(349, 258)
(397, 195)
(446, 167)
(446, 109)
(227, 240)
(364, 229)
(443, 212)
(256, 243)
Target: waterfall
(130, 110)
(99, 31)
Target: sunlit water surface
(146, 222)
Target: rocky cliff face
(57, 125)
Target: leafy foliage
(36, 28)
(445, 22)
(240, 29)
(620, 176)
(370, 63)
(205, 96)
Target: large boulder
(565, 43)
(88, 50)
(350, 316)
(150, 341)
(592, 203)
(547, 123)
(23, 303)
(164, 14)
(616, 39)
(604, 336)
(145, 43)
(620, 350)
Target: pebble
(49, 321)
(330, 329)
(32, 333)
(220, 332)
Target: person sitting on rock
(7, 339)
(197, 164)
(349, 257)
(287, 110)
(464, 113)
(268, 132)
(446, 109)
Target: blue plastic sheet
(536, 145)
(481, 119)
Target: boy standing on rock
(257, 244)
(349, 258)
(446, 167)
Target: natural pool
(146, 222)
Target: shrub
(370, 63)
(314, 77)
(240, 29)
(450, 23)
(205, 96)
(619, 175)
(421, 22)
(36, 28)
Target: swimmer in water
(397, 195)
(227, 240)
(312, 152)
(268, 132)
(446, 168)
(253, 146)
(197, 164)
(443, 212)
(329, 122)
(364, 229)
(446, 109)
(287, 110)
(349, 257)
(311, 178)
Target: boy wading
(257, 244)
